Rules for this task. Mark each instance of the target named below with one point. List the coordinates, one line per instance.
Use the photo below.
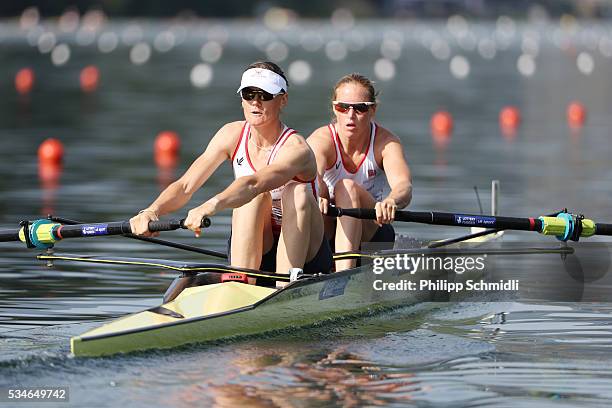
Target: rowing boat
(211, 311)
(200, 306)
(207, 309)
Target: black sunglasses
(360, 107)
(248, 94)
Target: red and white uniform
(242, 165)
(367, 174)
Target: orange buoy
(441, 123)
(167, 145)
(167, 142)
(576, 114)
(509, 117)
(51, 151)
(24, 80)
(89, 78)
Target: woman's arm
(324, 151)
(398, 176)
(177, 194)
(294, 160)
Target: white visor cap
(264, 79)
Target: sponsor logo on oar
(97, 229)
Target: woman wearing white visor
(274, 194)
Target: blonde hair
(358, 79)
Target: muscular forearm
(401, 194)
(171, 199)
(241, 191)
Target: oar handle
(120, 227)
(423, 217)
(171, 225)
(361, 213)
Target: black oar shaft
(450, 219)
(9, 235)
(603, 229)
(114, 228)
(157, 241)
(44, 233)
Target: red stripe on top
(531, 224)
(246, 147)
(374, 144)
(331, 134)
(239, 140)
(296, 178)
(246, 151)
(364, 156)
(280, 142)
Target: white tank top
(368, 174)
(242, 165)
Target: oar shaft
(603, 229)
(449, 219)
(44, 233)
(9, 235)
(564, 226)
(113, 228)
(158, 241)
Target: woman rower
(362, 165)
(275, 180)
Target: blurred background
(130, 92)
(321, 8)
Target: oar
(44, 233)
(564, 226)
(157, 241)
(483, 233)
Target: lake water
(474, 353)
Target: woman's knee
(298, 196)
(256, 204)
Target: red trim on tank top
(331, 134)
(246, 149)
(239, 140)
(374, 147)
(286, 134)
(364, 156)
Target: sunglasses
(248, 94)
(359, 107)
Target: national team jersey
(368, 174)
(241, 163)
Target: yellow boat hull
(224, 310)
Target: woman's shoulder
(227, 137)
(233, 127)
(321, 135)
(384, 136)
